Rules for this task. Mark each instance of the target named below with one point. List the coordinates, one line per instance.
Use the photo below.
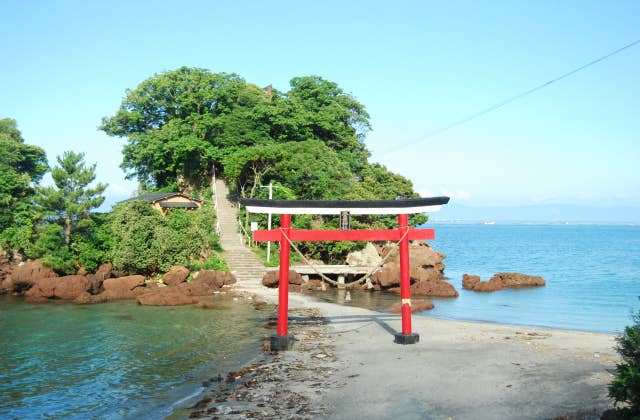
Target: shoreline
(459, 369)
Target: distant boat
(489, 222)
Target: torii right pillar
(406, 336)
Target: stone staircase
(243, 263)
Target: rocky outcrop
(501, 281)
(204, 284)
(7, 265)
(469, 281)
(67, 287)
(127, 287)
(215, 278)
(272, 278)
(426, 271)
(176, 274)
(102, 273)
(417, 305)
(25, 276)
(166, 296)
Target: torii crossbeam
(403, 234)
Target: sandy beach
(346, 366)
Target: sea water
(592, 273)
(117, 360)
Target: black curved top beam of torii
(403, 206)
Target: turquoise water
(116, 360)
(592, 274)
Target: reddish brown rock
(214, 279)
(229, 278)
(516, 280)
(24, 276)
(417, 305)
(127, 283)
(195, 288)
(103, 272)
(434, 288)
(501, 281)
(271, 279)
(84, 298)
(119, 288)
(67, 287)
(43, 288)
(426, 271)
(176, 274)
(165, 296)
(469, 281)
(70, 287)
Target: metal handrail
(243, 234)
(214, 190)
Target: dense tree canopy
(181, 123)
(21, 166)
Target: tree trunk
(67, 230)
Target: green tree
(315, 108)
(21, 166)
(625, 388)
(67, 211)
(146, 242)
(178, 124)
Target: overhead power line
(512, 99)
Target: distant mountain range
(547, 213)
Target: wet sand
(346, 366)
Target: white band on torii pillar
(406, 301)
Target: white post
(269, 223)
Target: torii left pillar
(283, 340)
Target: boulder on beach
(204, 284)
(67, 287)
(272, 278)
(176, 274)
(25, 275)
(426, 271)
(470, 281)
(103, 272)
(127, 287)
(214, 278)
(501, 281)
(166, 296)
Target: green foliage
(213, 262)
(66, 233)
(21, 165)
(625, 388)
(146, 242)
(179, 123)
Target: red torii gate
(403, 234)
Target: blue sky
(416, 65)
